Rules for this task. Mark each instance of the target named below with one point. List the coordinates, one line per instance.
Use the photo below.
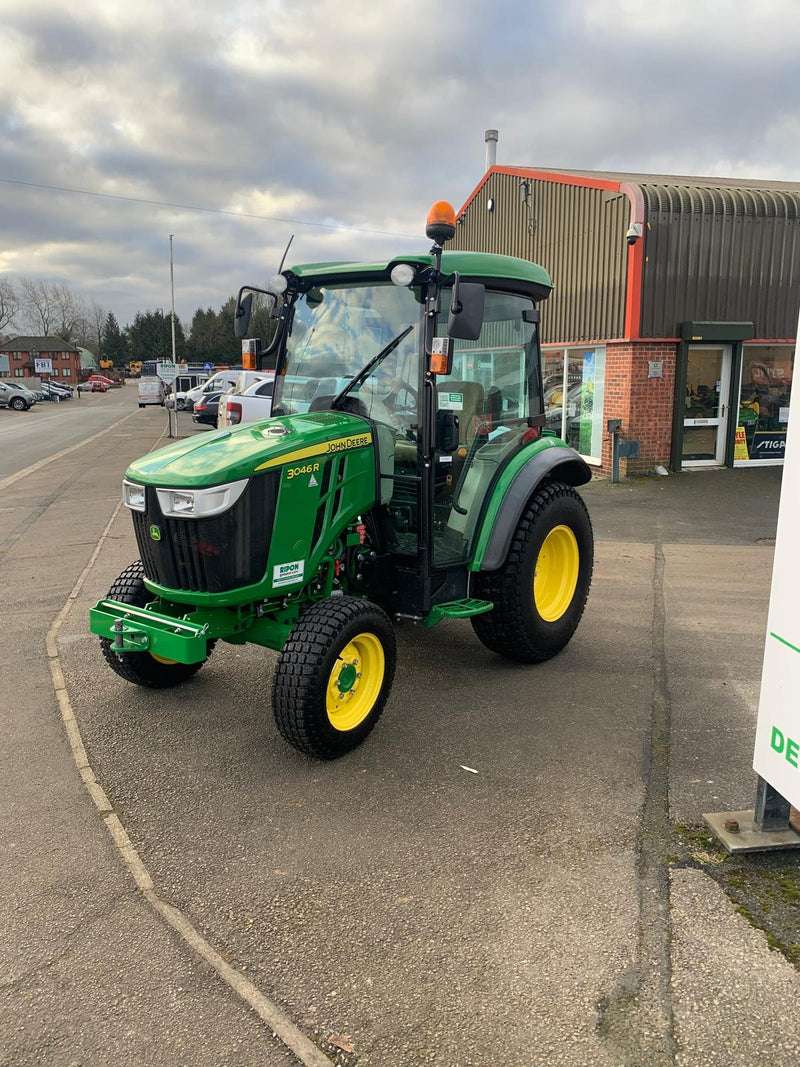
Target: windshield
(335, 331)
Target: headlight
(133, 495)
(200, 503)
(181, 503)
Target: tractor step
(457, 609)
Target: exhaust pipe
(491, 147)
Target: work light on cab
(441, 223)
(402, 274)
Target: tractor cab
(439, 355)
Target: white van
(250, 399)
(151, 391)
(219, 383)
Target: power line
(210, 210)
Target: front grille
(209, 555)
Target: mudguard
(549, 458)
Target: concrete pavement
(542, 911)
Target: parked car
(151, 390)
(206, 409)
(18, 399)
(110, 383)
(92, 386)
(56, 391)
(31, 392)
(250, 399)
(222, 381)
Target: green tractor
(404, 473)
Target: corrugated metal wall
(721, 254)
(577, 234)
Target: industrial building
(674, 311)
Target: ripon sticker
(287, 573)
(451, 401)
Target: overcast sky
(353, 115)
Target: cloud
(353, 116)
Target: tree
(150, 336)
(9, 303)
(49, 309)
(206, 342)
(114, 343)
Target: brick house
(674, 310)
(19, 355)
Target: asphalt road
(29, 436)
(487, 880)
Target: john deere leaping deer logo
(155, 532)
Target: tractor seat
(472, 411)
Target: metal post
(614, 427)
(173, 412)
(772, 809)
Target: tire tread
(504, 630)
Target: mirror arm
(456, 307)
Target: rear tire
(334, 676)
(540, 592)
(142, 668)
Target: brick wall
(644, 405)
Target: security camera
(634, 233)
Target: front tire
(143, 668)
(540, 592)
(334, 676)
(18, 404)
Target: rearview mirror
(466, 310)
(241, 319)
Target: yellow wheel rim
(556, 573)
(355, 682)
(163, 659)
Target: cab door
(495, 392)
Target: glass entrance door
(705, 421)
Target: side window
(493, 389)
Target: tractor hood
(229, 455)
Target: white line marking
(64, 452)
(278, 1021)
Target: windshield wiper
(384, 352)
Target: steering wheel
(409, 400)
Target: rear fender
(511, 495)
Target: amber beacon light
(441, 223)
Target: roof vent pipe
(491, 148)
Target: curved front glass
(334, 332)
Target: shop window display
(764, 394)
(574, 381)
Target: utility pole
(172, 414)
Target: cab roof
(518, 275)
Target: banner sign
(740, 444)
(777, 750)
(43, 366)
(770, 445)
(166, 371)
